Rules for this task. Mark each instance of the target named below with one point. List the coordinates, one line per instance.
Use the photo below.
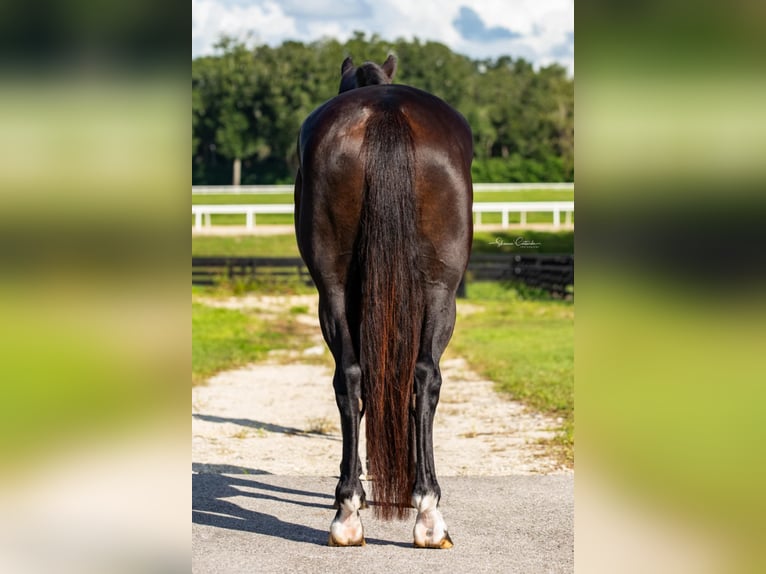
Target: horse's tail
(392, 307)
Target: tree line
(248, 104)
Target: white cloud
(211, 18)
(543, 24)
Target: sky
(540, 31)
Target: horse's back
(332, 173)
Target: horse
(383, 197)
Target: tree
(237, 135)
(248, 104)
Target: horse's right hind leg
(346, 528)
(430, 528)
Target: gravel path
(280, 417)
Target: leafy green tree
(235, 136)
(248, 105)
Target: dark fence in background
(552, 273)
(274, 270)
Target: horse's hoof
(430, 529)
(444, 544)
(346, 528)
(335, 544)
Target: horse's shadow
(258, 425)
(210, 507)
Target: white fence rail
(202, 213)
(523, 207)
(249, 211)
(272, 189)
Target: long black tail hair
(392, 306)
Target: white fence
(556, 208)
(249, 211)
(523, 207)
(272, 189)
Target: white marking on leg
(430, 529)
(351, 505)
(346, 528)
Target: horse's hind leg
(430, 529)
(346, 528)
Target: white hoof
(430, 529)
(346, 528)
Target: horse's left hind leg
(346, 528)
(430, 529)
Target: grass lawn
(245, 246)
(498, 242)
(229, 338)
(526, 347)
(528, 195)
(242, 199)
(285, 245)
(272, 198)
(225, 339)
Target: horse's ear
(389, 66)
(348, 63)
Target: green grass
(224, 339)
(526, 347)
(272, 198)
(285, 245)
(498, 242)
(245, 246)
(243, 199)
(229, 338)
(531, 195)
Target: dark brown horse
(383, 220)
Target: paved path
(266, 523)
